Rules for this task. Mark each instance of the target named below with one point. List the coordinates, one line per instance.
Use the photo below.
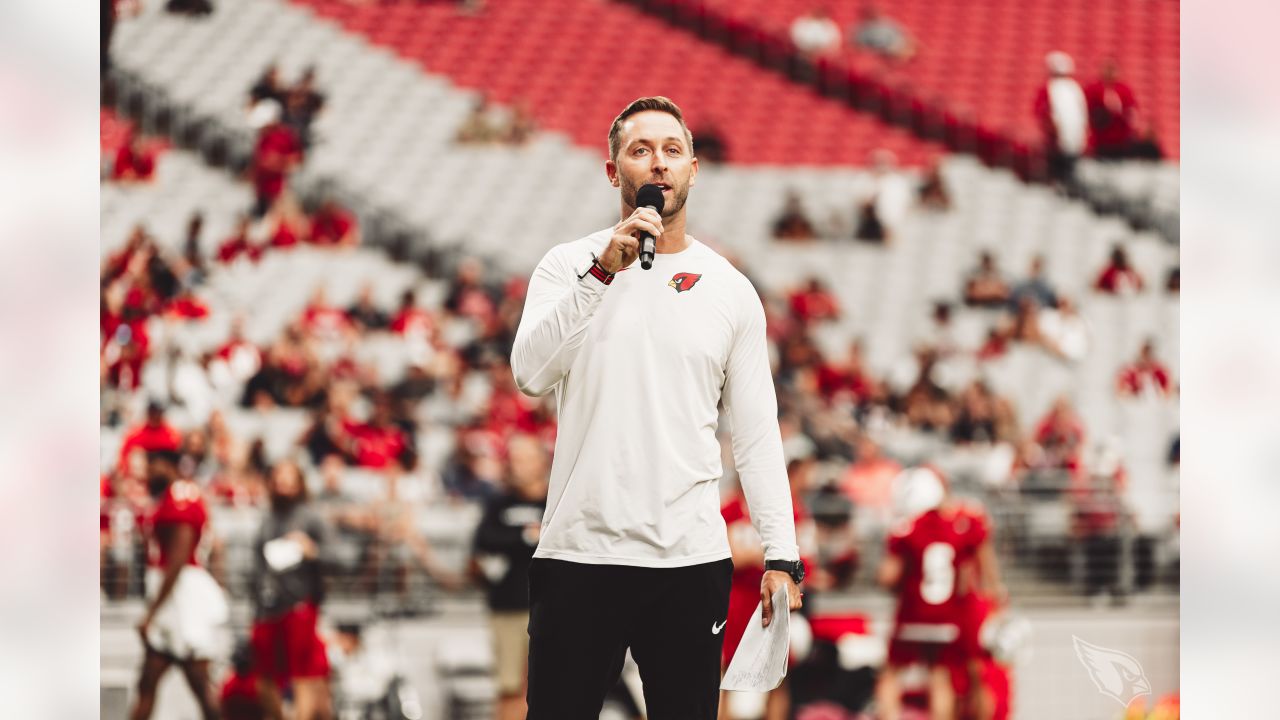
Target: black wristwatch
(794, 568)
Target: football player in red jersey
(926, 563)
(185, 604)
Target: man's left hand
(774, 579)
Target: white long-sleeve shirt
(639, 368)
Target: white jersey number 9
(939, 573)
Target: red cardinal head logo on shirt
(684, 281)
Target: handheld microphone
(649, 196)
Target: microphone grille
(650, 196)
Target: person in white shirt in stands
(1063, 114)
(633, 551)
(815, 33)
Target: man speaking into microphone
(632, 551)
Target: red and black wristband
(600, 273)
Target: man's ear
(693, 176)
(611, 169)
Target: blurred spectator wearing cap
(277, 153)
(1063, 114)
(793, 222)
(882, 35)
(503, 548)
(985, 285)
(1119, 277)
(1113, 115)
(815, 33)
(1145, 376)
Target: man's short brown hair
(644, 104)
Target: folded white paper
(282, 553)
(760, 662)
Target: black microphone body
(649, 196)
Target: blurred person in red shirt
(239, 243)
(186, 305)
(134, 162)
(153, 436)
(813, 302)
(1119, 277)
(748, 571)
(240, 698)
(1058, 440)
(849, 379)
(277, 152)
(379, 443)
(1146, 375)
(411, 319)
(287, 229)
(334, 225)
(320, 319)
(1113, 115)
(241, 357)
(185, 605)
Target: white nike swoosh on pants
(715, 629)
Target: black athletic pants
(582, 619)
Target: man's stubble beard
(680, 191)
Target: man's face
(653, 149)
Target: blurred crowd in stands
(460, 380)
